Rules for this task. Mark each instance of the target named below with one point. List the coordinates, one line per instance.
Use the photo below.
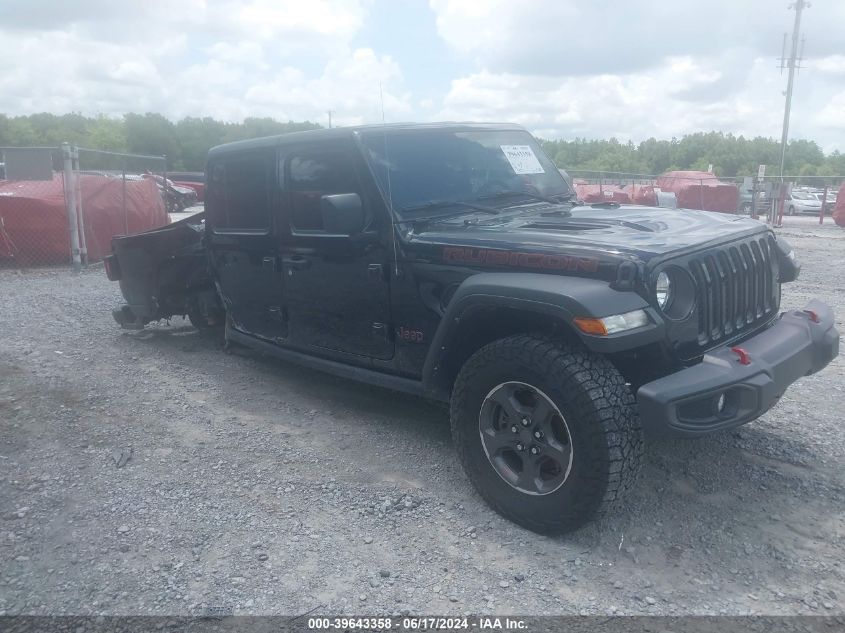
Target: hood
(642, 232)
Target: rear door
(242, 193)
(336, 287)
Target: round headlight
(663, 290)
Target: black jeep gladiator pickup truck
(453, 261)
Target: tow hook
(814, 316)
(744, 357)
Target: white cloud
(633, 106)
(348, 85)
(633, 70)
(831, 65)
(267, 19)
(278, 58)
(60, 72)
(563, 68)
(574, 37)
(832, 115)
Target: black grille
(737, 288)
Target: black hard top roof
(348, 132)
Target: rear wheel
(204, 311)
(546, 432)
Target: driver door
(336, 286)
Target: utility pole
(330, 112)
(792, 65)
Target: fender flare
(562, 298)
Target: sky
(631, 69)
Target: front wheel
(546, 432)
(791, 210)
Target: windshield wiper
(437, 204)
(527, 194)
(562, 198)
(422, 222)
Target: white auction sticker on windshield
(522, 159)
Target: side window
(239, 196)
(311, 176)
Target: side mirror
(343, 213)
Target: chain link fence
(798, 195)
(769, 197)
(62, 205)
(32, 187)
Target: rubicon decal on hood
(492, 257)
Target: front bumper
(686, 403)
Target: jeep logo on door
(408, 334)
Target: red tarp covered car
(642, 194)
(839, 209)
(34, 222)
(592, 194)
(623, 194)
(700, 190)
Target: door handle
(297, 262)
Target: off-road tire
(599, 411)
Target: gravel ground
(149, 472)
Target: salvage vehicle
(191, 179)
(176, 198)
(829, 199)
(761, 202)
(802, 202)
(453, 262)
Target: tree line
(186, 141)
(730, 156)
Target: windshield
(797, 195)
(440, 166)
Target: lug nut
(514, 429)
(520, 446)
(535, 450)
(538, 434)
(526, 421)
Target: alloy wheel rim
(526, 438)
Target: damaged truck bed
(164, 273)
